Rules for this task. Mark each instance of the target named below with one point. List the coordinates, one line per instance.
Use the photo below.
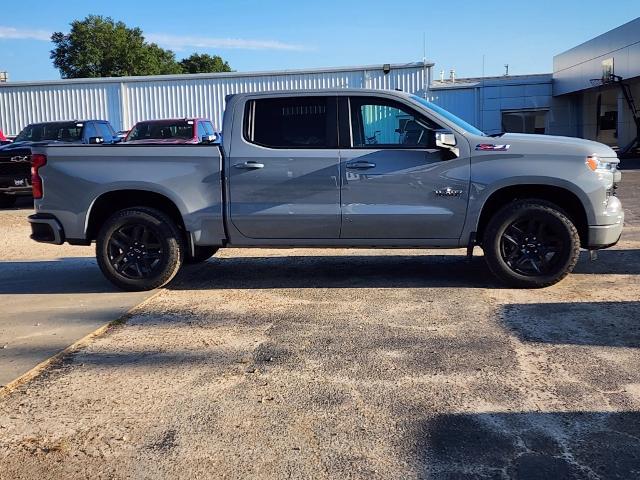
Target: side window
(105, 132)
(110, 129)
(89, 131)
(208, 127)
(200, 131)
(381, 123)
(295, 122)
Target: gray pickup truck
(332, 168)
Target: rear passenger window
(302, 122)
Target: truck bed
(81, 175)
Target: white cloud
(180, 42)
(24, 34)
(176, 42)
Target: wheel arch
(110, 202)
(566, 200)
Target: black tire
(201, 254)
(531, 244)
(139, 249)
(7, 201)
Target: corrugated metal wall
(126, 101)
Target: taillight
(37, 160)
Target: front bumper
(46, 229)
(16, 190)
(603, 236)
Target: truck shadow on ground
(336, 271)
(370, 271)
(82, 275)
(66, 275)
(613, 324)
(530, 445)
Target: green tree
(204, 63)
(100, 47)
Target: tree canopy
(204, 63)
(101, 47)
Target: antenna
(482, 97)
(506, 69)
(425, 81)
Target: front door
(284, 176)
(396, 183)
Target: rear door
(396, 183)
(284, 169)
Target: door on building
(396, 182)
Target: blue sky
(269, 35)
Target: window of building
(299, 122)
(525, 121)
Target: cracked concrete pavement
(350, 364)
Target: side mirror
(445, 139)
(209, 138)
(96, 140)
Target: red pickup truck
(173, 131)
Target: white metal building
(127, 100)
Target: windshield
(180, 129)
(62, 132)
(449, 116)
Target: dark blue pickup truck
(15, 158)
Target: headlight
(596, 163)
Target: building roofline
(204, 76)
(488, 81)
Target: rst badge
(490, 147)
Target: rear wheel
(7, 201)
(531, 244)
(201, 254)
(139, 249)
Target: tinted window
(182, 129)
(104, 131)
(90, 131)
(208, 126)
(67, 132)
(201, 132)
(379, 123)
(302, 122)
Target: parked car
(339, 168)
(15, 158)
(173, 131)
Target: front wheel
(139, 249)
(531, 244)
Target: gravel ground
(348, 364)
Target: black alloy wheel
(532, 246)
(135, 251)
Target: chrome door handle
(361, 165)
(249, 165)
